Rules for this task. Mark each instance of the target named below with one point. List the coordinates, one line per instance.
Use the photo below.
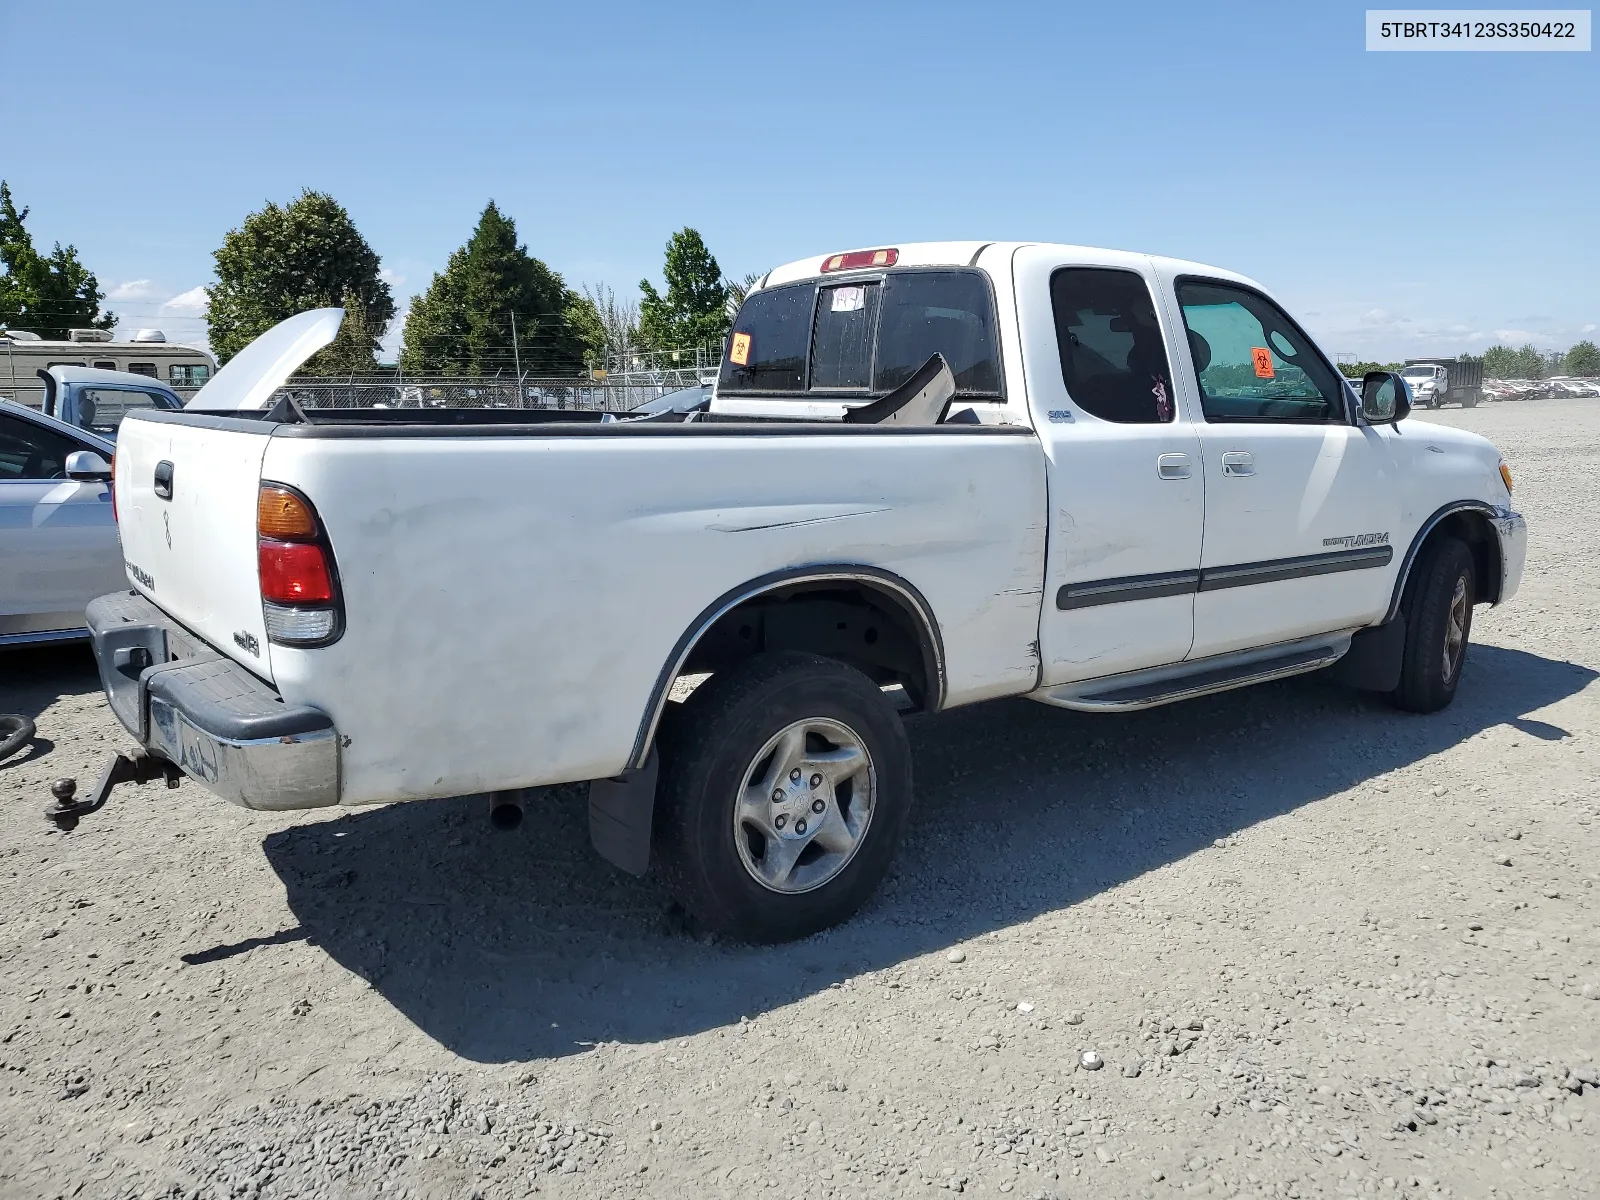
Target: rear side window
(1113, 358)
(864, 337)
(143, 369)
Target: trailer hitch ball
(64, 812)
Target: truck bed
(517, 581)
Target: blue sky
(1400, 203)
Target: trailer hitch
(67, 811)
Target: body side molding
(1210, 579)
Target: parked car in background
(58, 527)
(183, 369)
(97, 400)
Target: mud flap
(1374, 658)
(620, 812)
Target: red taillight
(858, 259)
(294, 572)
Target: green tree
(1582, 359)
(47, 295)
(694, 312)
(1502, 362)
(492, 308)
(282, 261)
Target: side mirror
(1384, 397)
(87, 467)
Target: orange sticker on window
(1263, 361)
(739, 352)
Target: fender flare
(930, 639)
(1483, 508)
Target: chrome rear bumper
(193, 707)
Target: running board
(1167, 685)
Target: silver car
(58, 531)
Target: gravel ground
(1322, 948)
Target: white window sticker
(849, 299)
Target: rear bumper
(1512, 532)
(188, 704)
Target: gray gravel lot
(1324, 948)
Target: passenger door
(1123, 464)
(58, 538)
(1301, 502)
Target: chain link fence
(592, 395)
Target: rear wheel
(786, 782)
(1438, 612)
(1470, 400)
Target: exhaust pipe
(505, 809)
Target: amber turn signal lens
(282, 514)
(1505, 474)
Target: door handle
(1239, 463)
(163, 479)
(1173, 466)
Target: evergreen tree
(47, 295)
(492, 308)
(694, 312)
(282, 261)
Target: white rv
(184, 369)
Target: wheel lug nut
(780, 821)
(816, 781)
(777, 795)
(800, 825)
(795, 775)
(817, 806)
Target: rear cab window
(862, 336)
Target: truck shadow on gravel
(523, 946)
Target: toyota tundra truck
(927, 476)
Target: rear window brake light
(857, 259)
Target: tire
(1470, 400)
(1438, 612)
(718, 816)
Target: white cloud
(134, 289)
(194, 300)
(393, 278)
(1589, 328)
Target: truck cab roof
(980, 254)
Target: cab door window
(1113, 357)
(1252, 361)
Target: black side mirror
(1385, 398)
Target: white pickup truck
(929, 475)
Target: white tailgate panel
(511, 600)
(195, 554)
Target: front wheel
(786, 782)
(1438, 612)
